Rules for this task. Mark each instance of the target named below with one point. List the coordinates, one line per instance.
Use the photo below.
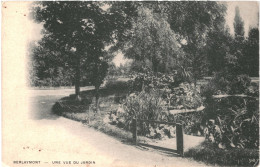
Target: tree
(251, 52)
(148, 38)
(79, 29)
(50, 66)
(239, 42)
(98, 70)
(193, 21)
(238, 25)
(172, 32)
(219, 43)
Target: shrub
(239, 84)
(223, 83)
(186, 96)
(113, 84)
(194, 122)
(149, 80)
(144, 105)
(233, 122)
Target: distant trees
(49, 67)
(238, 25)
(246, 50)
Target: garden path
(36, 134)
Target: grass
(211, 154)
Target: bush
(233, 122)
(149, 80)
(144, 105)
(186, 96)
(223, 83)
(114, 84)
(239, 84)
(194, 122)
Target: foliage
(194, 122)
(238, 25)
(153, 104)
(186, 96)
(78, 31)
(219, 43)
(193, 21)
(114, 84)
(251, 53)
(144, 105)
(149, 38)
(149, 80)
(177, 96)
(240, 84)
(253, 90)
(233, 122)
(181, 27)
(226, 83)
(46, 68)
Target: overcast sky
(249, 12)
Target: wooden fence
(179, 133)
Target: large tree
(239, 42)
(79, 29)
(193, 21)
(152, 40)
(218, 47)
(160, 28)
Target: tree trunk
(97, 98)
(77, 79)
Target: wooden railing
(179, 133)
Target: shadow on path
(41, 107)
(149, 147)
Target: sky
(249, 11)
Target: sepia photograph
(130, 83)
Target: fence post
(135, 131)
(179, 141)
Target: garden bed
(227, 140)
